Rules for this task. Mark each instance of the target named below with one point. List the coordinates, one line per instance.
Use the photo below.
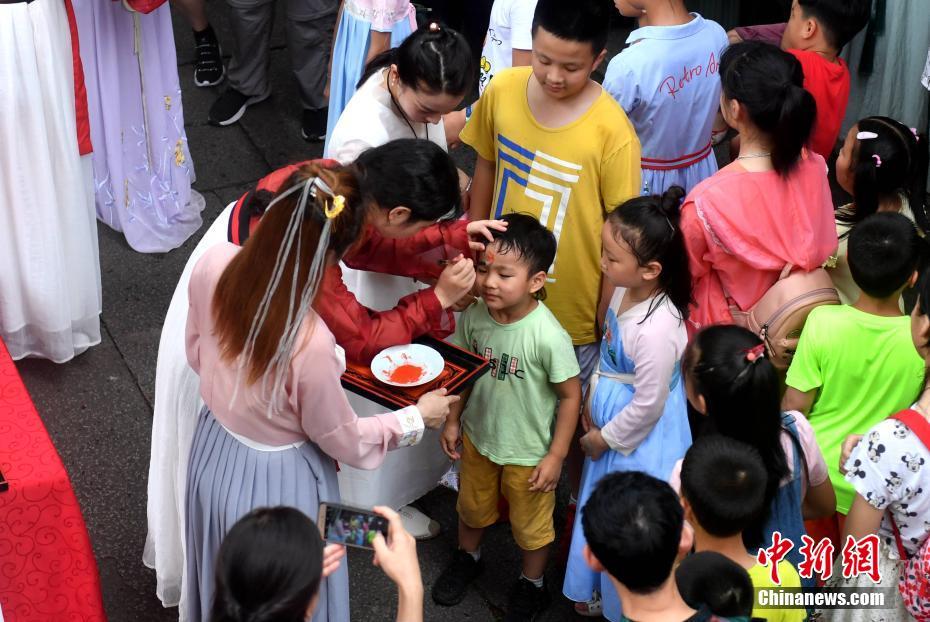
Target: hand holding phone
(350, 526)
(397, 557)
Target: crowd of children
(662, 323)
(612, 294)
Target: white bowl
(424, 357)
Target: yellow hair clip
(331, 210)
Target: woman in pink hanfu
(768, 208)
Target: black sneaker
(452, 584)
(313, 128)
(526, 601)
(230, 106)
(208, 66)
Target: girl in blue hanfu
(668, 83)
(636, 418)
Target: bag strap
(916, 423)
(919, 425)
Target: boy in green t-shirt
(508, 444)
(723, 493)
(855, 364)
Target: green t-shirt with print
(864, 367)
(511, 410)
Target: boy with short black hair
(552, 143)
(856, 363)
(634, 527)
(512, 445)
(815, 33)
(723, 493)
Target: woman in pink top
(276, 418)
(771, 206)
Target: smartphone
(344, 524)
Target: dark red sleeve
(362, 333)
(418, 257)
(80, 91)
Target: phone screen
(352, 526)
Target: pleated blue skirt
(226, 480)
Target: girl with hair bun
(636, 418)
(771, 206)
(883, 165)
(404, 93)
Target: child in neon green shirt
(855, 364)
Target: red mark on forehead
(489, 257)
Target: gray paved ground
(98, 408)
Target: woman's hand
(434, 407)
(332, 555)
(593, 444)
(848, 445)
(455, 281)
(397, 556)
(482, 229)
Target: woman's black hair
(650, 227)
(414, 173)
(891, 164)
(269, 568)
(769, 83)
(434, 59)
(742, 394)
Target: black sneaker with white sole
(208, 64)
(452, 585)
(526, 601)
(230, 106)
(313, 125)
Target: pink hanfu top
(314, 406)
(741, 228)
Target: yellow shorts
(482, 482)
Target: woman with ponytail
(883, 165)
(636, 418)
(729, 380)
(771, 206)
(276, 419)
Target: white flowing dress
(50, 295)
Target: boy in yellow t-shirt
(552, 143)
(723, 493)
